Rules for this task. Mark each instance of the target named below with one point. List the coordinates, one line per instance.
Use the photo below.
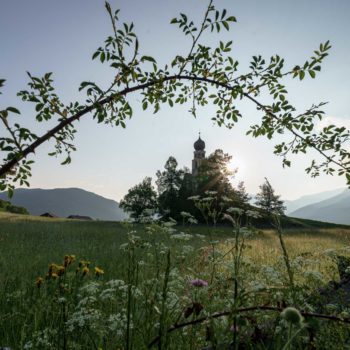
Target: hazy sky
(60, 36)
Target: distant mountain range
(66, 201)
(335, 209)
(293, 205)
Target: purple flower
(198, 283)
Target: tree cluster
(203, 197)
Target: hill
(66, 201)
(335, 209)
(293, 205)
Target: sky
(60, 36)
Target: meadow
(106, 285)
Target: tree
(169, 183)
(140, 201)
(204, 75)
(268, 201)
(215, 175)
(241, 194)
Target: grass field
(159, 264)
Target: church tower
(199, 155)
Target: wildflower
(54, 275)
(83, 263)
(192, 221)
(198, 283)
(211, 193)
(60, 270)
(98, 271)
(52, 268)
(68, 259)
(39, 281)
(292, 315)
(234, 210)
(253, 214)
(85, 270)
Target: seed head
(292, 315)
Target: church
(199, 155)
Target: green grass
(29, 244)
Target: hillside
(293, 205)
(66, 201)
(335, 209)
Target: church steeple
(199, 155)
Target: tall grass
(150, 294)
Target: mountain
(66, 201)
(293, 205)
(335, 209)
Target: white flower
(90, 288)
(181, 236)
(235, 210)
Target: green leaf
(301, 75)
(231, 19)
(148, 58)
(13, 110)
(102, 56)
(39, 107)
(312, 74)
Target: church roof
(199, 145)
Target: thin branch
(17, 143)
(195, 40)
(243, 310)
(32, 147)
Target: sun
(237, 165)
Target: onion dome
(199, 145)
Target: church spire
(199, 154)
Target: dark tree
(242, 196)
(268, 201)
(169, 182)
(141, 200)
(215, 175)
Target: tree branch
(5, 168)
(243, 310)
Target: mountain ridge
(66, 201)
(335, 209)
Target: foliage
(164, 286)
(169, 182)
(7, 206)
(140, 201)
(204, 75)
(268, 201)
(242, 196)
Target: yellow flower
(60, 270)
(98, 271)
(85, 271)
(39, 281)
(84, 263)
(54, 275)
(68, 259)
(52, 268)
